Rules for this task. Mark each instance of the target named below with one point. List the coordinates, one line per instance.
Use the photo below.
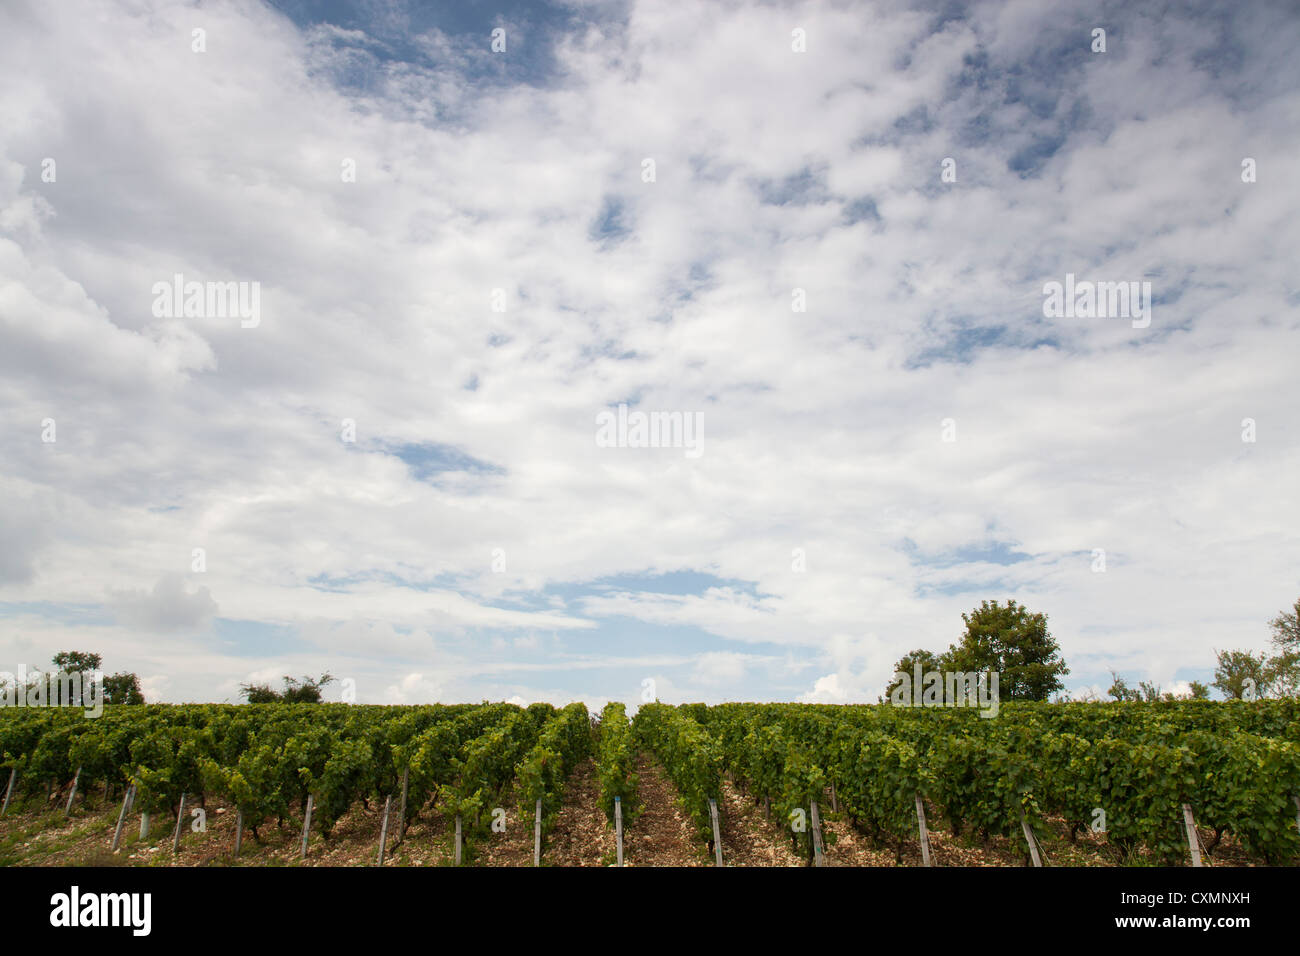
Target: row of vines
(1130, 766)
(1133, 765)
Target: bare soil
(750, 837)
(662, 835)
(581, 836)
(35, 833)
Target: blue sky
(395, 474)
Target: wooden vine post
(818, 855)
(925, 832)
(618, 826)
(537, 834)
(9, 791)
(717, 831)
(306, 826)
(401, 818)
(1029, 838)
(180, 818)
(76, 781)
(1193, 844)
(383, 828)
(127, 799)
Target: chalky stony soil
(35, 833)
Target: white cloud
(414, 689)
(169, 606)
(822, 427)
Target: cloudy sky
(738, 213)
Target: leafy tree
(122, 688)
(69, 661)
(1286, 628)
(1240, 675)
(259, 693)
(1282, 674)
(1120, 690)
(1010, 640)
(1198, 691)
(1149, 691)
(305, 691)
(928, 660)
(1282, 670)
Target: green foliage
(882, 777)
(689, 753)
(928, 661)
(1237, 763)
(69, 661)
(119, 688)
(122, 688)
(616, 763)
(485, 765)
(166, 762)
(1137, 762)
(1008, 639)
(305, 691)
(1119, 689)
(565, 742)
(1240, 675)
(774, 763)
(431, 753)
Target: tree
(1286, 628)
(305, 691)
(1016, 644)
(122, 688)
(1240, 675)
(71, 661)
(1282, 669)
(259, 693)
(1282, 674)
(1120, 690)
(1149, 691)
(1198, 691)
(928, 660)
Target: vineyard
(1172, 783)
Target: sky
(819, 234)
